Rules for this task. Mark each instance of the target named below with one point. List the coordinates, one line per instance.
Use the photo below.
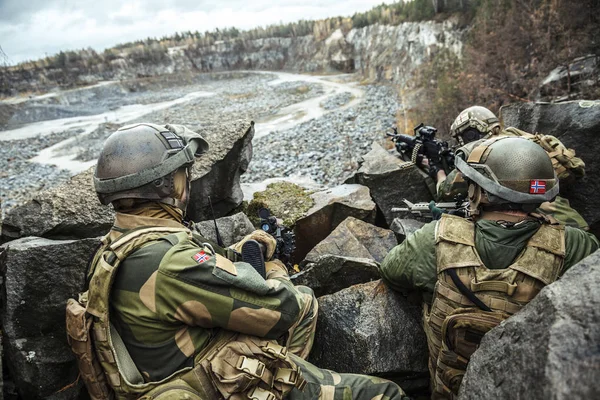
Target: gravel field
(324, 149)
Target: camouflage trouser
(323, 384)
(301, 336)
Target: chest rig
(454, 325)
(233, 365)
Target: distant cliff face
(376, 51)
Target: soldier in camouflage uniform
(195, 320)
(473, 274)
(477, 123)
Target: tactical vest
(453, 324)
(233, 365)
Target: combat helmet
(139, 161)
(474, 123)
(508, 173)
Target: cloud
(35, 28)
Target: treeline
(512, 46)
(156, 49)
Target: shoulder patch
(225, 265)
(201, 257)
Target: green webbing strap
(125, 363)
(185, 156)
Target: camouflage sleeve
(452, 186)
(412, 264)
(195, 286)
(579, 244)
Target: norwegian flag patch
(201, 257)
(537, 187)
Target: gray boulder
(217, 173)
(331, 273)
(355, 238)
(577, 125)
(390, 180)
(39, 276)
(370, 329)
(549, 350)
(231, 229)
(330, 208)
(403, 228)
(71, 210)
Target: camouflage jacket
(412, 264)
(171, 296)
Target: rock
(69, 211)
(403, 228)
(576, 124)
(285, 200)
(331, 207)
(332, 273)
(231, 229)
(370, 329)
(390, 180)
(354, 238)
(217, 173)
(547, 350)
(39, 276)
(574, 78)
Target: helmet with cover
(508, 173)
(474, 123)
(140, 161)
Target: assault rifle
(459, 207)
(285, 238)
(424, 144)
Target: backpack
(568, 167)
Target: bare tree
(4, 60)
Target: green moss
(286, 201)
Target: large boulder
(548, 350)
(355, 238)
(68, 211)
(403, 228)
(39, 276)
(370, 329)
(332, 273)
(390, 180)
(577, 125)
(331, 207)
(217, 173)
(232, 229)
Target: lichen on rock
(285, 200)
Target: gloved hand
(436, 212)
(263, 238)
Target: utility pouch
(463, 330)
(79, 323)
(252, 368)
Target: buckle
(251, 366)
(287, 375)
(275, 350)
(258, 393)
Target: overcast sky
(30, 29)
